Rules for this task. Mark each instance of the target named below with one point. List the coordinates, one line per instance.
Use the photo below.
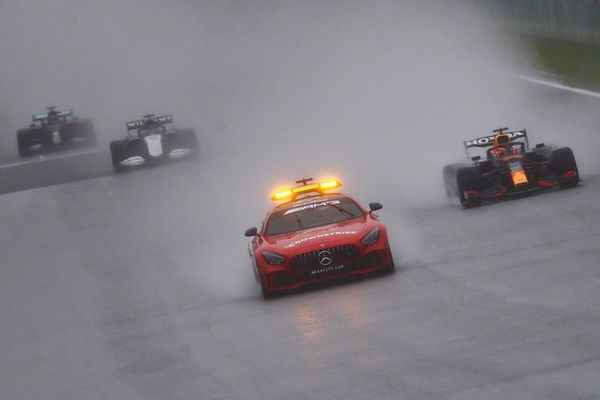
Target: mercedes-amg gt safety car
(152, 140)
(316, 235)
(54, 131)
(509, 167)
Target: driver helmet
(501, 140)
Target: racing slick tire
(468, 178)
(563, 161)
(24, 142)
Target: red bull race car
(510, 167)
(316, 235)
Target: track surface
(103, 300)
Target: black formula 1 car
(512, 169)
(55, 131)
(155, 141)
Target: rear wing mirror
(476, 158)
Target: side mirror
(539, 145)
(375, 206)
(476, 158)
(251, 232)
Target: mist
(379, 94)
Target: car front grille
(337, 254)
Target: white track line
(42, 158)
(558, 86)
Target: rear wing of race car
(140, 123)
(487, 141)
(42, 117)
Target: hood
(331, 235)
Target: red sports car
(315, 236)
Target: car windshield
(312, 213)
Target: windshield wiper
(343, 211)
(299, 222)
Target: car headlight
(371, 237)
(273, 258)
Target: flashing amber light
(326, 185)
(282, 194)
(315, 187)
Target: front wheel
(266, 292)
(116, 154)
(564, 164)
(24, 142)
(449, 178)
(468, 180)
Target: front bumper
(367, 262)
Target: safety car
(317, 234)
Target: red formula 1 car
(315, 236)
(510, 167)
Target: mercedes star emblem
(325, 257)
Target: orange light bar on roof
(315, 187)
(282, 194)
(327, 185)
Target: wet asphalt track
(102, 300)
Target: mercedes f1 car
(510, 167)
(315, 236)
(152, 140)
(54, 131)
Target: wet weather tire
(468, 178)
(563, 161)
(24, 141)
(449, 177)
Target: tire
(266, 293)
(116, 154)
(187, 138)
(87, 130)
(391, 269)
(562, 161)
(24, 142)
(449, 177)
(468, 178)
